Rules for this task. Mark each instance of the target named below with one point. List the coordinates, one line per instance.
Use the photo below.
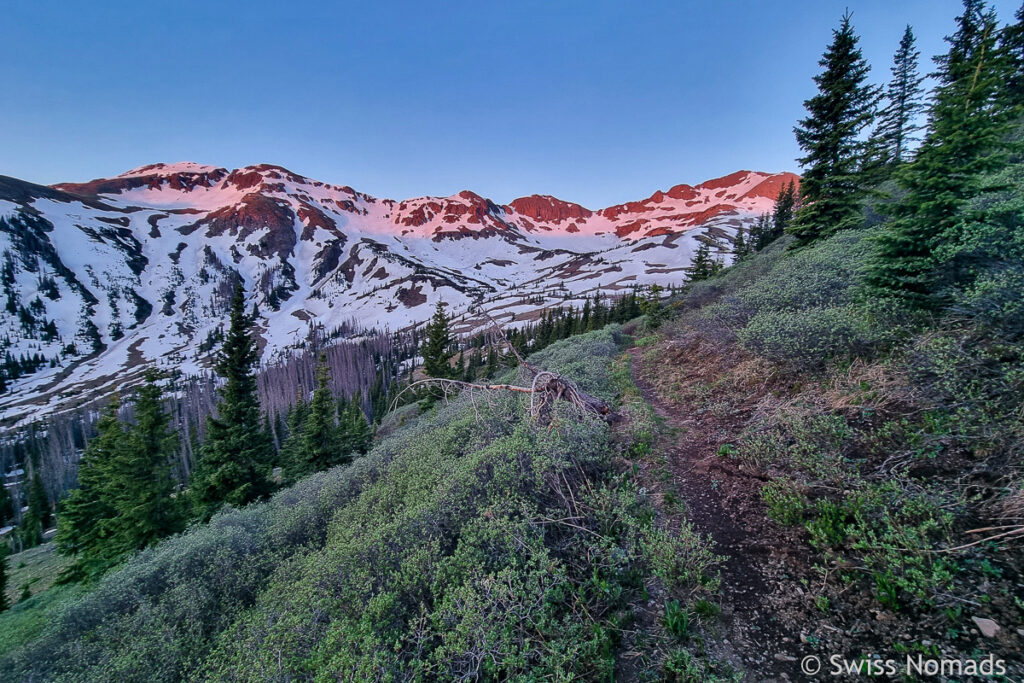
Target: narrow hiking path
(690, 481)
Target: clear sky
(594, 101)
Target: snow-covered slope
(101, 278)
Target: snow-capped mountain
(101, 278)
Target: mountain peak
(162, 169)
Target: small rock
(783, 657)
(987, 627)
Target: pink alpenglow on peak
(171, 239)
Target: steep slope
(102, 277)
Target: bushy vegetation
(882, 364)
(869, 455)
(468, 543)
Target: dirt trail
(721, 500)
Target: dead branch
(1014, 532)
(545, 388)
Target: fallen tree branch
(545, 388)
(1006, 534)
(548, 386)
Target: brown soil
(722, 501)
(769, 580)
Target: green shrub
(994, 300)
(892, 534)
(812, 446)
(682, 667)
(827, 528)
(809, 337)
(823, 276)
(767, 300)
(785, 502)
(683, 560)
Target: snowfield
(137, 269)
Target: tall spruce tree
(904, 102)
(1011, 45)
(125, 500)
(782, 214)
(82, 526)
(492, 365)
(292, 455)
(6, 507)
(740, 246)
(831, 188)
(234, 459)
(966, 139)
(39, 515)
(320, 434)
(759, 232)
(141, 487)
(654, 312)
(356, 434)
(436, 345)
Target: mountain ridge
(106, 276)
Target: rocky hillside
(104, 276)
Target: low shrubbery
(885, 420)
(799, 308)
(467, 543)
(809, 337)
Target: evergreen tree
(320, 434)
(782, 216)
(831, 188)
(435, 348)
(125, 500)
(965, 140)
(585, 317)
(472, 367)
(759, 232)
(600, 313)
(87, 510)
(140, 485)
(234, 459)
(652, 308)
(1011, 45)
(6, 507)
(378, 396)
(39, 515)
(904, 103)
(701, 266)
(740, 246)
(356, 434)
(491, 368)
(293, 454)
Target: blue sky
(594, 101)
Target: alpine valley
(105, 277)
